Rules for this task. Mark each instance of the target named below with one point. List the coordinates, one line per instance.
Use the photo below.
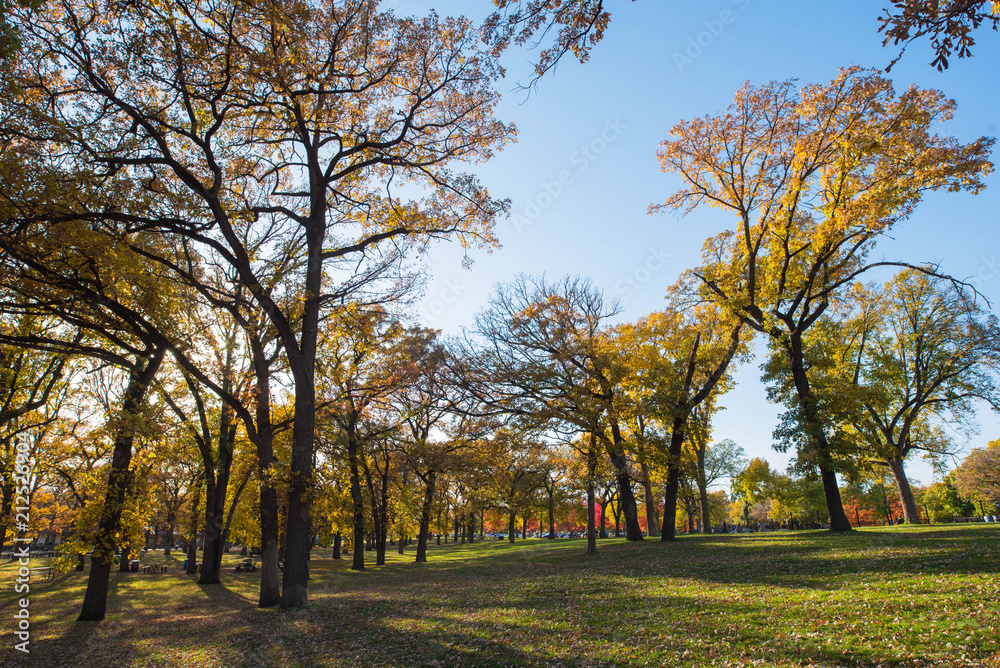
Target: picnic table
(154, 568)
(247, 566)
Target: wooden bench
(48, 572)
(966, 519)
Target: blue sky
(584, 169)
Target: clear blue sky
(622, 103)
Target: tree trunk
(910, 514)
(123, 561)
(552, 516)
(302, 362)
(192, 544)
(6, 506)
(630, 508)
(380, 511)
(95, 599)
(425, 517)
(215, 502)
(358, 502)
(669, 527)
(834, 504)
(337, 545)
(591, 496)
(270, 576)
(511, 523)
(652, 518)
(524, 524)
(604, 517)
(706, 522)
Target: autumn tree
(230, 128)
(544, 353)
(912, 358)
(813, 178)
(554, 468)
(32, 389)
(755, 484)
(712, 463)
(678, 362)
(435, 426)
(979, 474)
(361, 366)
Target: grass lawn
(900, 596)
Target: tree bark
(95, 599)
(831, 490)
(552, 516)
(512, 522)
(652, 516)
(270, 576)
(192, 544)
(358, 501)
(910, 514)
(302, 363)
(669, 527)
(215, 501)
(425, 516)
(123, 561)
(591, 496)
(630, 508)
(7, 506)
(337, 545)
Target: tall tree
(915, 355)
(32, 388)
(679, 361)
(361, 366)
(979, 474)
(813, 178)
(230, 126)
(714, 462)
(546, 355)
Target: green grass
(902, 596)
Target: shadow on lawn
(520, 605)
(801, 559)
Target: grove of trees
(211, 222)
